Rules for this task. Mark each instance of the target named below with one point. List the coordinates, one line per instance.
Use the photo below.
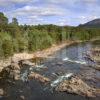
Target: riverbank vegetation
(15, 38)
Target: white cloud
(62, 12)
(5, 3)
(36, 11)
(87, 18)
(65, 3)
(56, 1)
(90, 1)
(32, 21)
(70, 1)
(34, 14)
(19, 1)
(62, 22)
(73, 3)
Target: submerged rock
(38, 77)
(77, 86)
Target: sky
(58, 12)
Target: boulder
(1, 92)
(77, 86)
(15, 66)
(38, 77)
(22, 97)
(27, 62)
(12, 71)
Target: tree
(22, 45)
(14, 21)
(3, 19)
(14, 29)
(7, 48)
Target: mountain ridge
(94, 23)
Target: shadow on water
(34, 90)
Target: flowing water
(61, 65)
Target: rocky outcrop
(12, 71)
(77, 86)
(38, 77)
(4, 63)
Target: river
(69, 59)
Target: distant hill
(92, 24)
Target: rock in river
(12, 71)
(38, 77)
(27, 62)
(77, 86)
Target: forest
(15, 38)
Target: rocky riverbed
(59, 75)
(77, 86)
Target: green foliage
(7, 48)
(22, 45)
(14, 21)
(39, 40)
(15, 45)
(3, 19)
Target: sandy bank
(43, 53)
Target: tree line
(15, 38)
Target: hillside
(92, 24)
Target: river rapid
(70, 59)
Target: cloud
(87, 3)
(20, 1)
(88, 18)
(55, 1)
(62, 12)
(36, 11)
(62, 22)
(34, 14)
(70, 1)
(90, 1)
(5, 3)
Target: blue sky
(59, 12)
